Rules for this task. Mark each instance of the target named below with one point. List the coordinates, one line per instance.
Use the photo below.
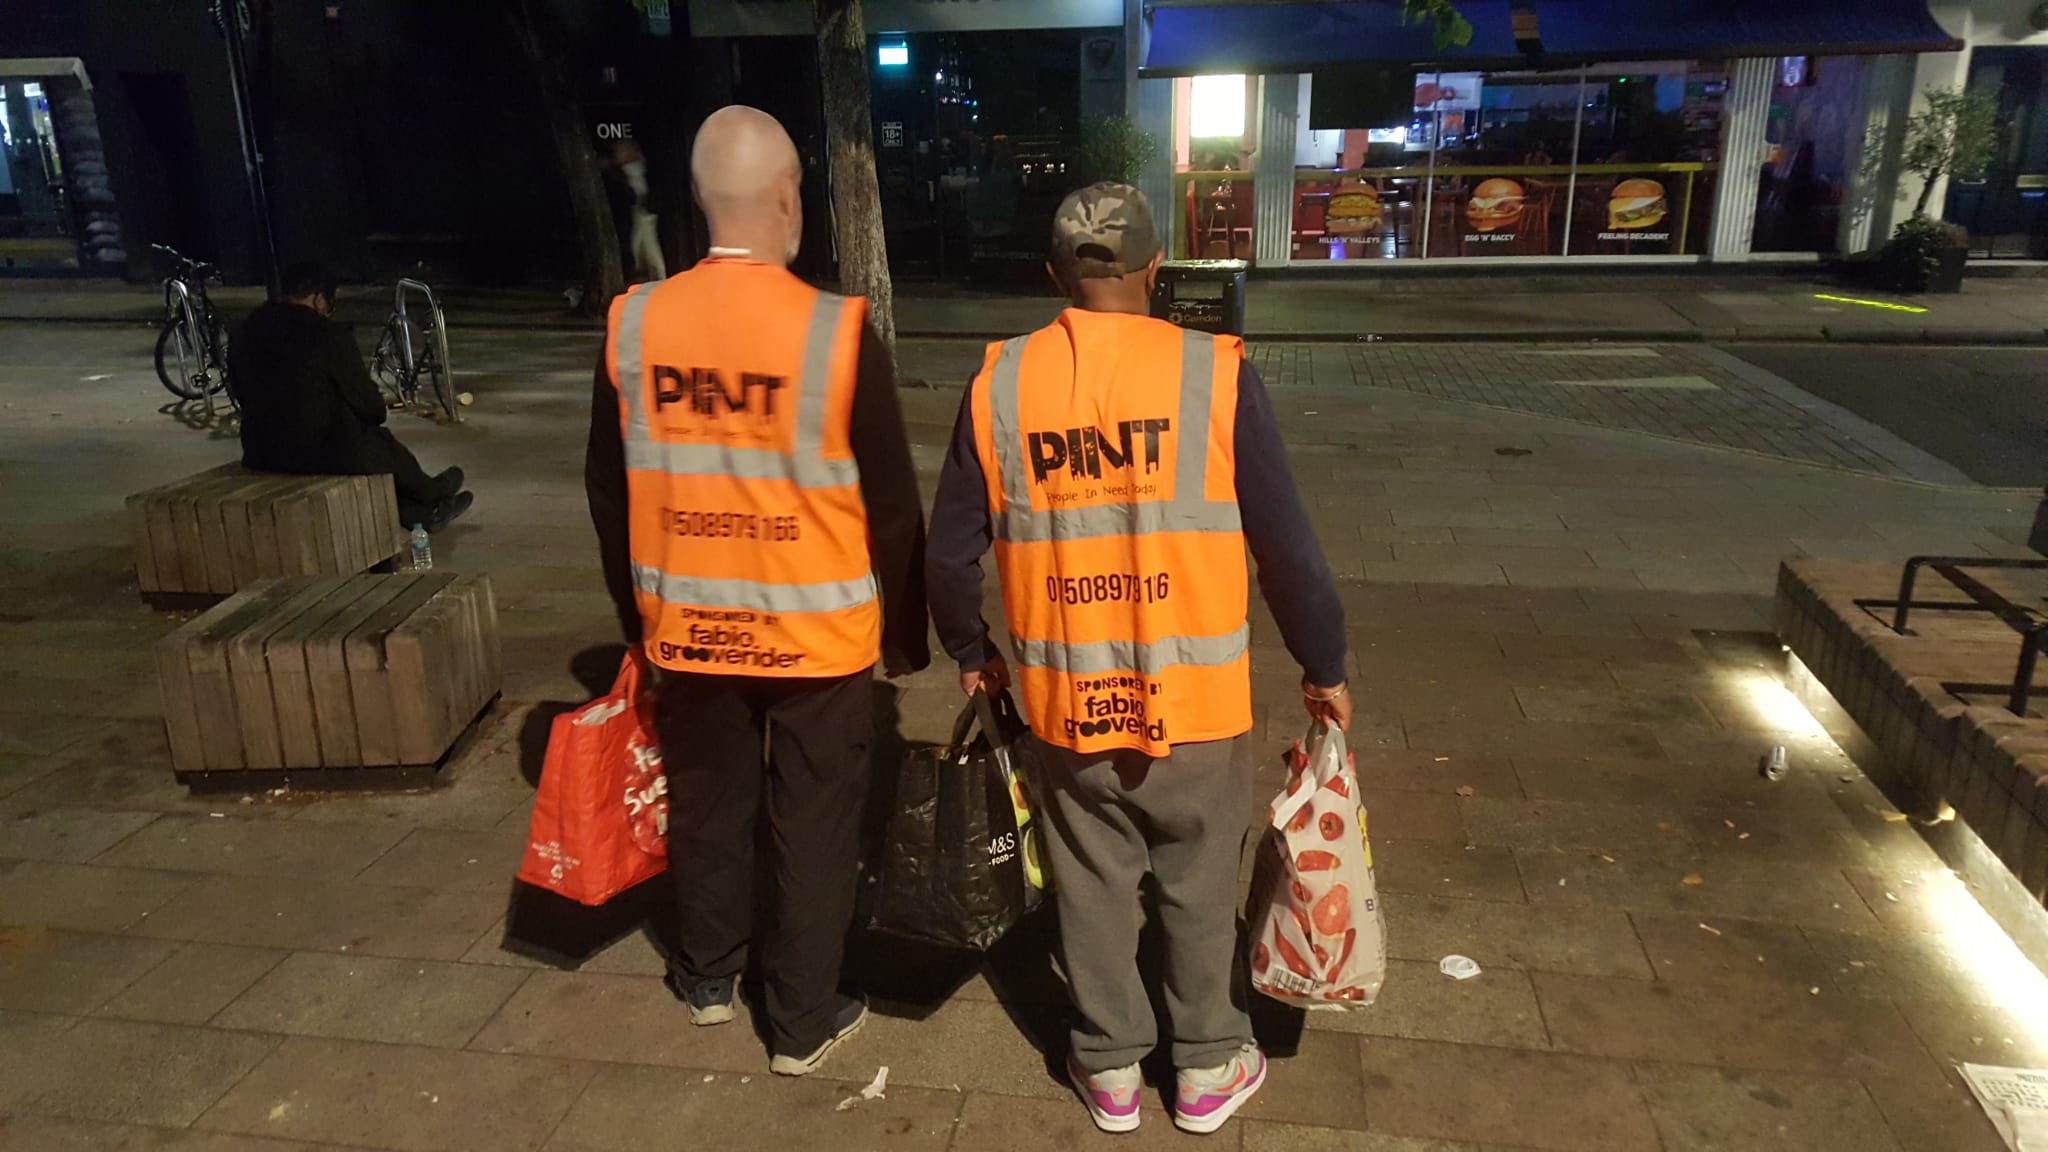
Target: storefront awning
(1590, 30)
(1188, 40)
(1256, 38)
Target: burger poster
(1636, 214)
(1353, 212)
(1493, 212)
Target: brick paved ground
(1563, 690)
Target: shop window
(1214, 140)
(1611, 161)
(1813, 148)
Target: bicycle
(192, 347)
(407, 356)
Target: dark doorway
(166, 162)
(2007, 211)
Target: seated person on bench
(309, 406)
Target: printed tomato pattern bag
(1316, 936)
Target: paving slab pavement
(1565, 687)
(1767, 303)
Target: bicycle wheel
(179, 362)
(434, 366)
(387, 366)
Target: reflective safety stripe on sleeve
(1104, 656)
(805, 464)
(707, 592)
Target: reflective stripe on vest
(1129, 656)
(805, 465)
(1188, 511)
(705, 592)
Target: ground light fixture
(1884, 304)
(1962, 936)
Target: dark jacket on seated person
(308, 403)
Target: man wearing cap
(1106, 457)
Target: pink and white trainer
(1111, 1097)
(1209, 1096)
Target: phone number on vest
(732, 525)
(1108, 589)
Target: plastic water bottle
(422, 549)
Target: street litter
(1775, 764)
(1609, 859)
(1458, 967)
(709, 1079)
(2016, 1100)
(1710, 928)
(1889, 896)
(1694, 880)
(1464, 790)
(874, 1090)
(1813, 991)
(1443, 759)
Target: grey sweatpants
(1113, 817)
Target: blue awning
(1591, 30)
(1191, 41)
(1257, 37)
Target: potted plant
(1114, 150)
(1955, 135)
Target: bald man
(763, 539)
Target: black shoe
(710, 1001)
(447, 510)
(448, 483)
(853, 1012)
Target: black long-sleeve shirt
(888, 487)
(305, 394)
(1293, 576)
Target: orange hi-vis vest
(748, 536)
(1108, 444)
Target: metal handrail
(2033, 633)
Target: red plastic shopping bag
(1316, 936)
(600, 821)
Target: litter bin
(1205, 295)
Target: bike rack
(177, 295)
(2033, 632)
(398, 294)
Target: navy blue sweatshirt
(1293, 576)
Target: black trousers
(361, 450)
(782, 765)
(377, 450)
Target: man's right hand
(1331, 705)
(991, 677)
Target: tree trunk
(1926, 194)
(850, 139)
(596, 241)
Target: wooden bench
(332, 681)
(213, 534)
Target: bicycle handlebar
(186, 267)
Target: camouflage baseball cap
(1103, 230)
